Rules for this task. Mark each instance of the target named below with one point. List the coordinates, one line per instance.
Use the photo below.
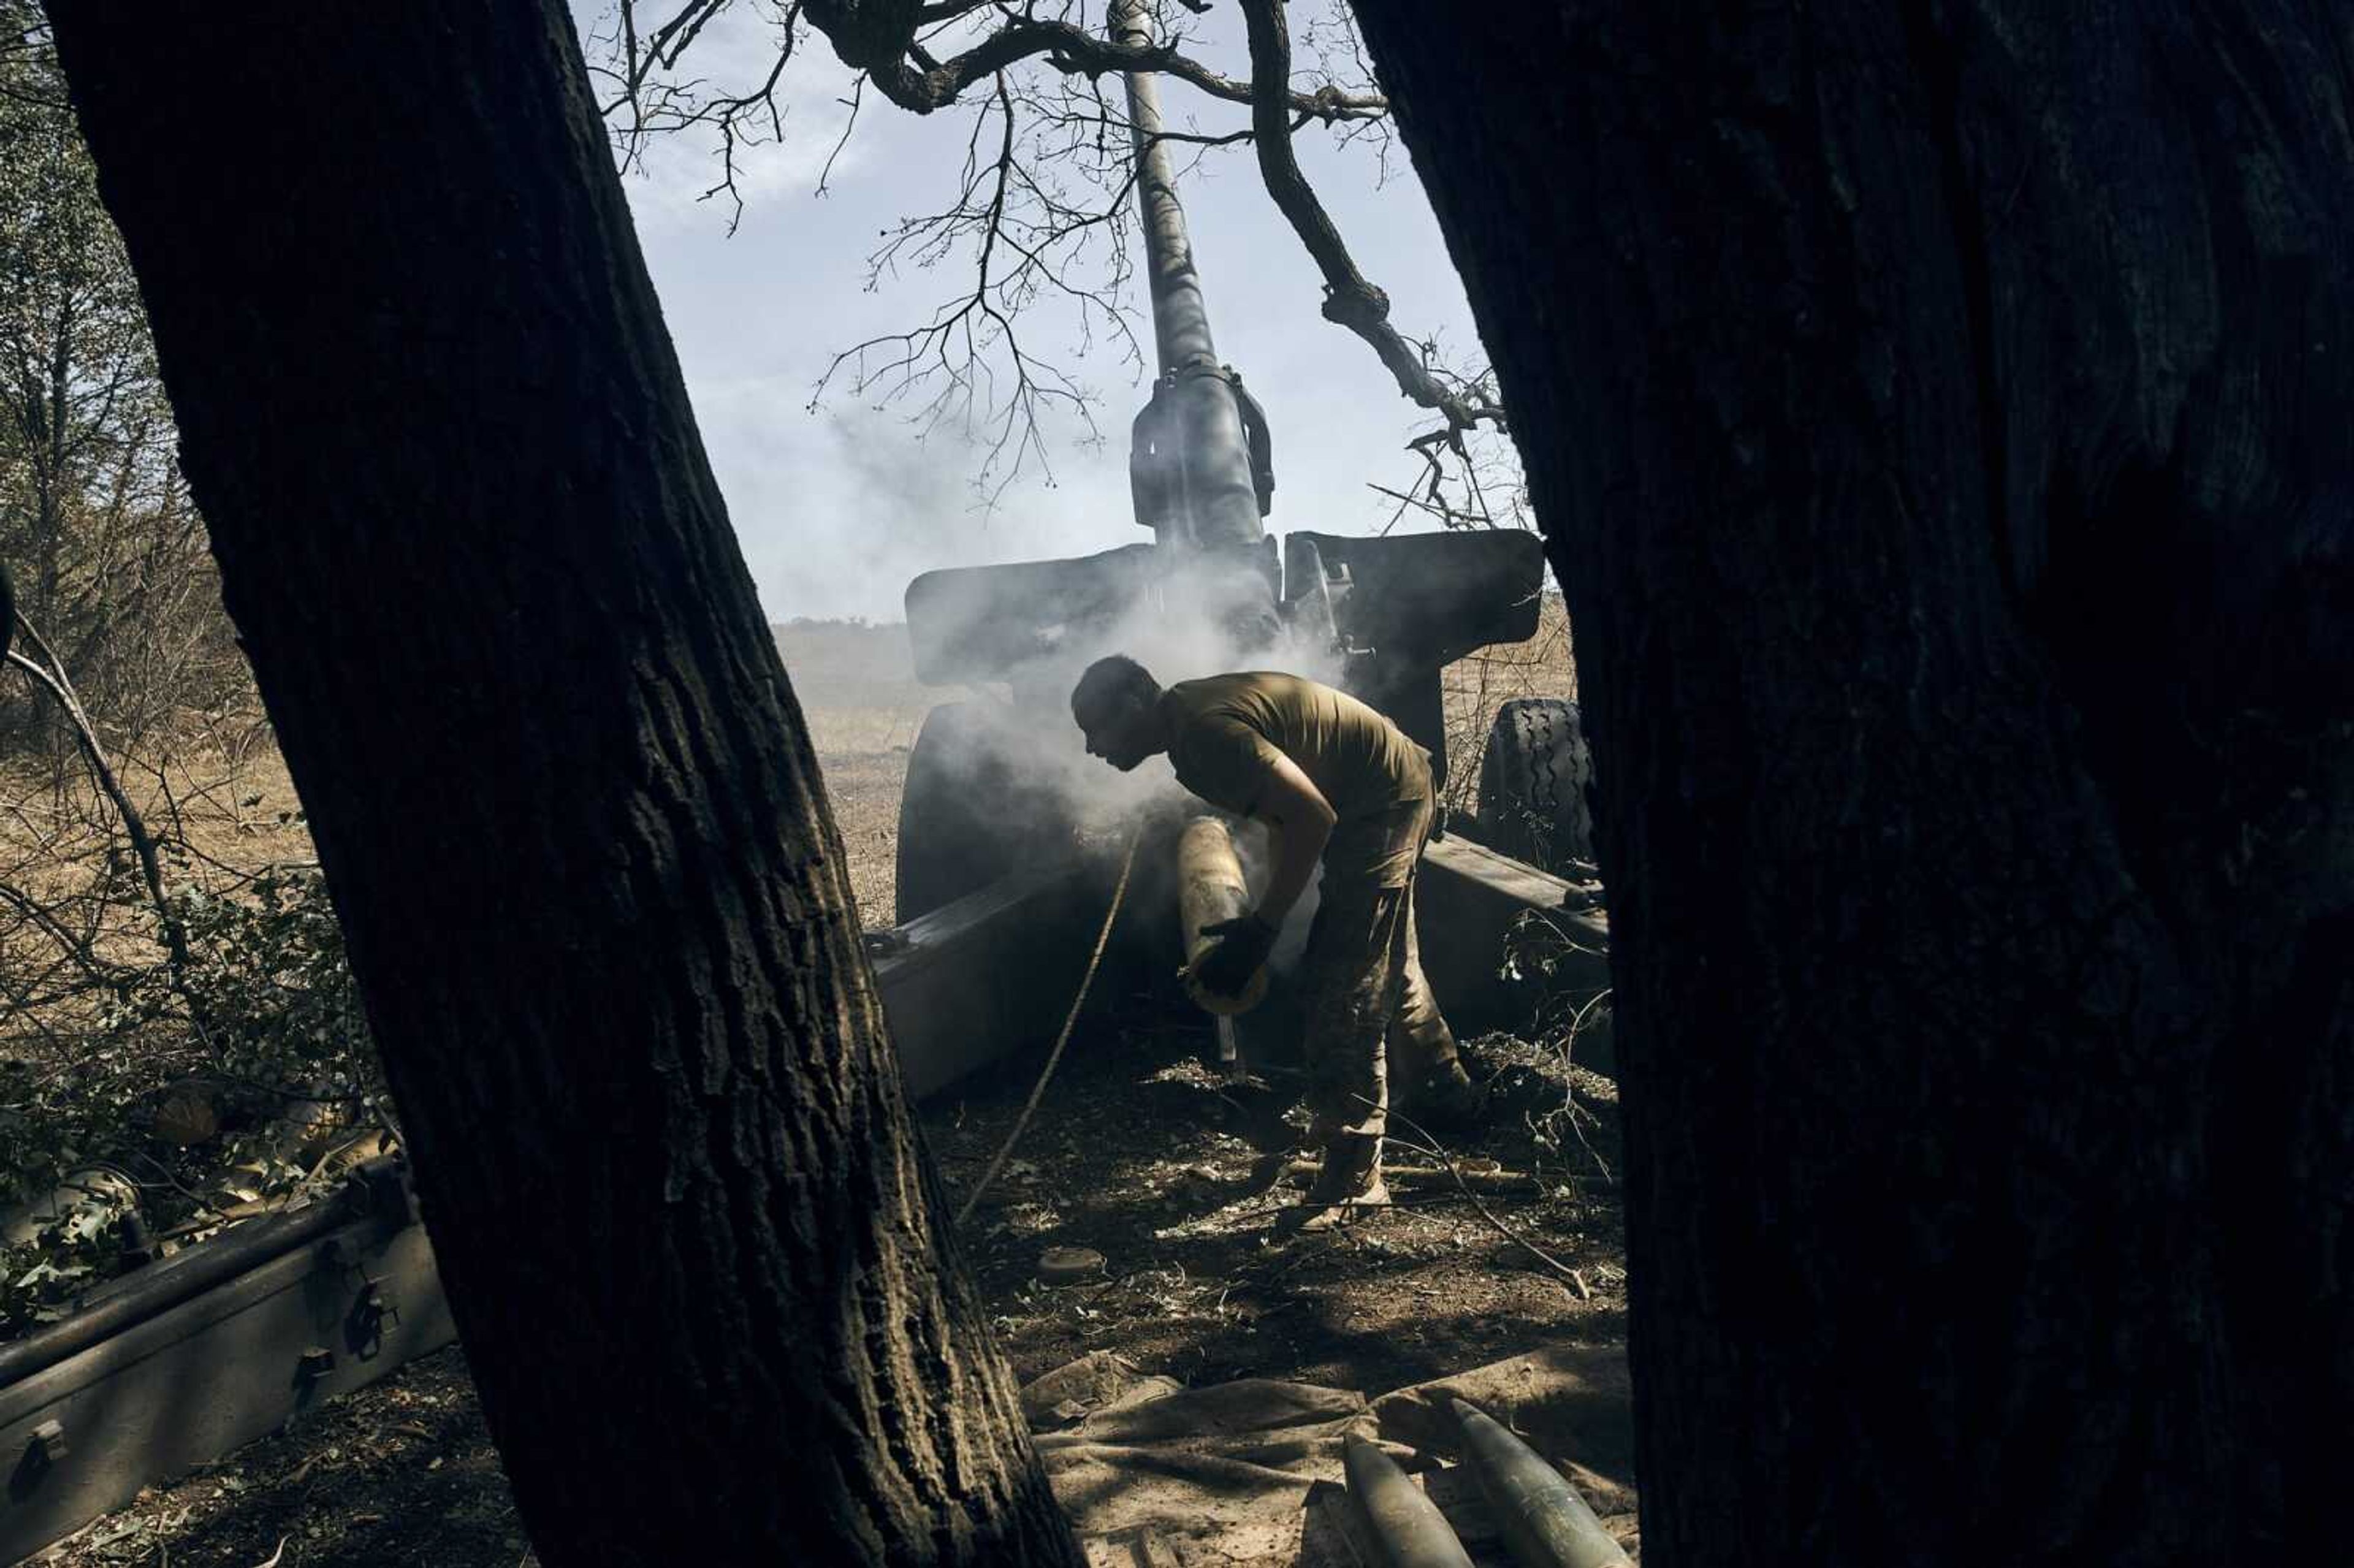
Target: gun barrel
(1181, 321)
(1204, 493)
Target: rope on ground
(1038, 1090)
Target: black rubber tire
(1534, 779)
(972, 811)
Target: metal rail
(186, 1359)
(133, 1298)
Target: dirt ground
(1140, 1152)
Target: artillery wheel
(1533, 777)
(972, 811)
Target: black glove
(1242, 945)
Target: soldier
(1336, 781)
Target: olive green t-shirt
(1227, 731)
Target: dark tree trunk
(563, 792)
(1939, 416)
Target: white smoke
(1182, 626)
(1179, 630)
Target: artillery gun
(1380, 617)
(983, 816)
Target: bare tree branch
(881, 41)
(857, 98)
(653, 104)
(51, 677)
(1030, 217)
(1350, 299)
(1015, 222)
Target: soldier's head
(1118, 705)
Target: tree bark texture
(1938, 414)
(591, 888)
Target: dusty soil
(864, 754)
(857, 688)
(1141, 1153)
(1138, 1151)
(399, 1474)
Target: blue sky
(837, 508)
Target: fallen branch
(1432, 1147)
(1512, 1181)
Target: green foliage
(38, 1280)
(267, 986)
(215, 1090)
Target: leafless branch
(1350, 298)
(1032, 237)
(857, 96)
(51, 678)
(1431, 1148)
(648, 100)
(881, 43)
(1042, 218)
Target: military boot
(1349, 1178)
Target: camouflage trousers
(1372, 1021)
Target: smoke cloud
(1180, 625)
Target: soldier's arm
(1302, 819)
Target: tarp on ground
(1155, 1475)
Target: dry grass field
(76, 916)
(236, 810)
(857, 688)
